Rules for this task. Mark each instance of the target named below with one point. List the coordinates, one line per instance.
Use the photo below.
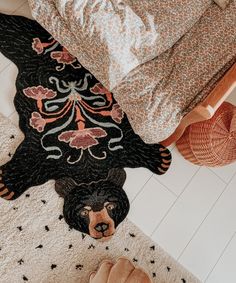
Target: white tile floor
(190, 211)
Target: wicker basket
(212, 142)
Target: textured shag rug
(36, 245)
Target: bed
(160, 61)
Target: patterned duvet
(160, 58)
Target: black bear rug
(75, 133)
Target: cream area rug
(36, 245)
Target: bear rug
(74, 133)
(37, 246)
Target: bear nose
(101, 227)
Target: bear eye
(110, 206)
(84, 213)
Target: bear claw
(4, 192)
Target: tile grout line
(166, 186)
(212, 207)
(159, 175)
(141, 188)
(8, 116)
(222, 253)
(168, 211)
(175, 147)
(219, 176)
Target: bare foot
(123, 271)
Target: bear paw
(165, 158)
(4, 191)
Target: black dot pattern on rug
(19, 228)
(126, 250)
(107, 248)
(20, 261)
(152, 261)
(60, 217)
(12, 137)
(70, 246)
(53, 266)
(83, 236)
(9, 154)
(39, 247)
(27, 195)
(46, 228)
(152, 248)
(168, 268)
(43, 201)
(132, 235)
(154, 275)
(79, 266)
(135, 259)
(91, 247)
(25, 278)
(183, 280)
(15, 208)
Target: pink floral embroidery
(37, 122)
(37, 46)
(117, 113)
(82, 138)
(63, 57)
(39, 92)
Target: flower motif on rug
(37, 122)
(69, 106)
(63, 57)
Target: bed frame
(206, 109)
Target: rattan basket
(212, 142)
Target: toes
(9, 196)
(162, 149)
(161, 171)
(165, 160)
(4, 192)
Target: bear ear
(117, 176)
(64, 186)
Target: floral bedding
(160, 59)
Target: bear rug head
(75, 133)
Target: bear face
(96, 208)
